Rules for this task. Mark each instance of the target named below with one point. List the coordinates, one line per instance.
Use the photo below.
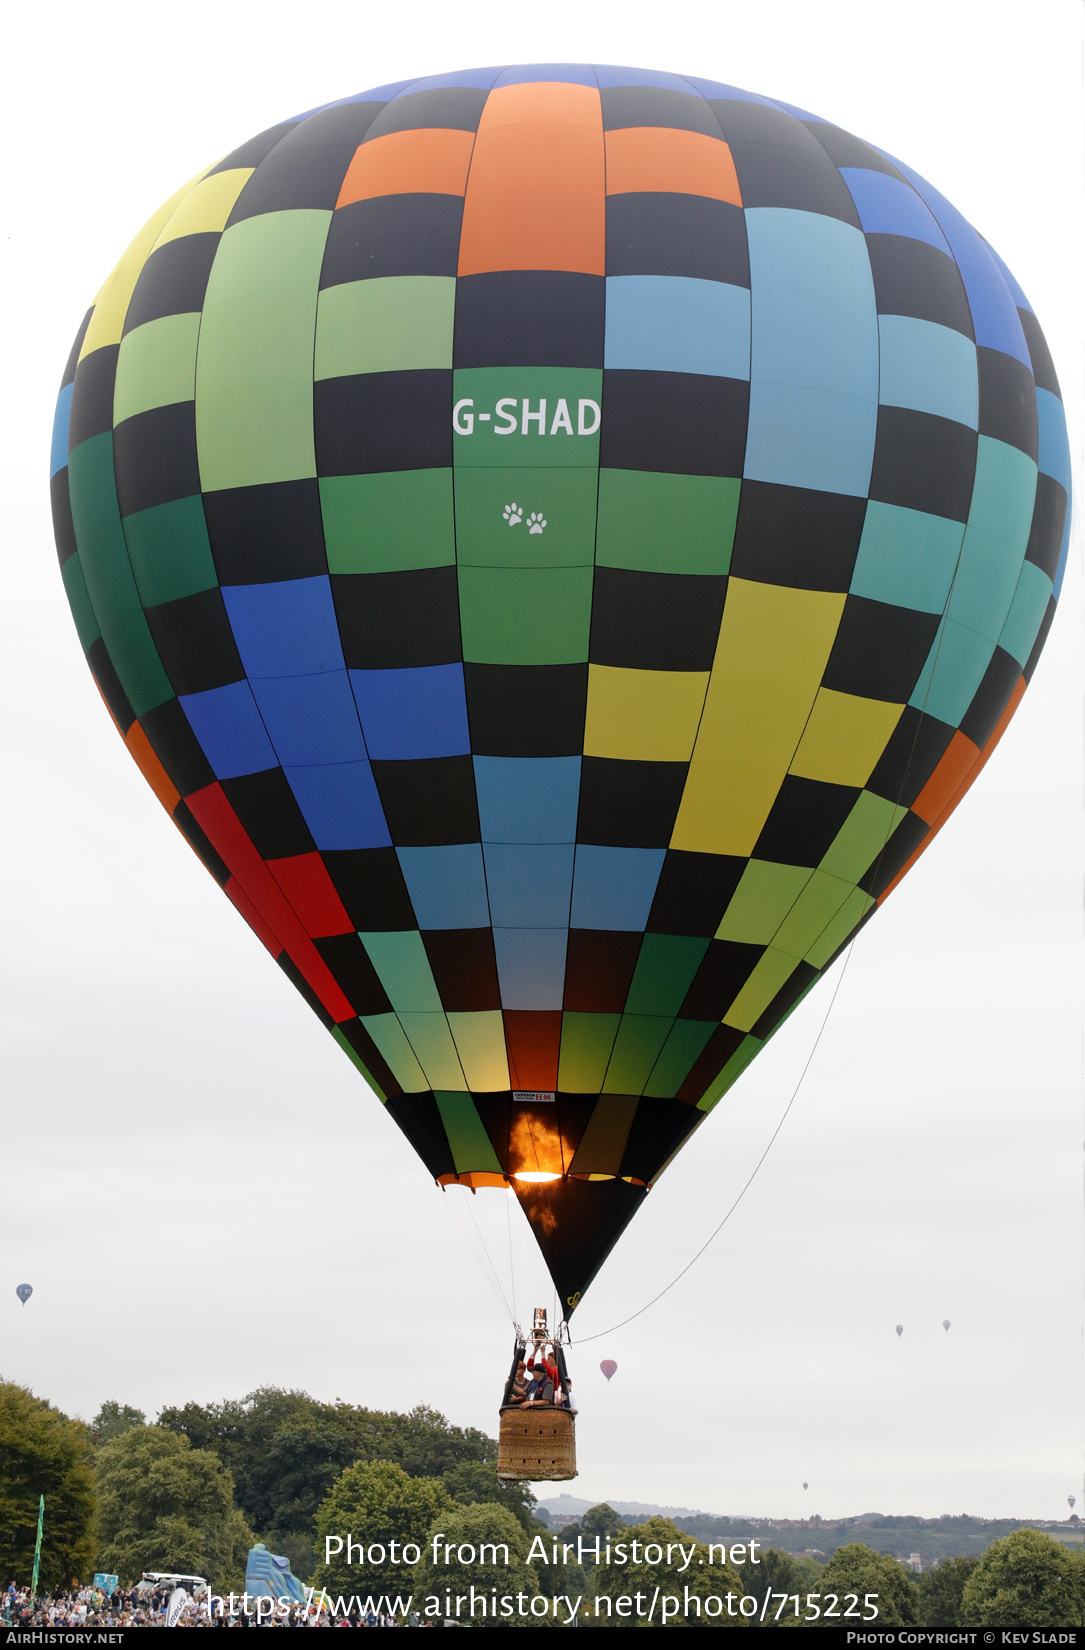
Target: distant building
(915, 1562)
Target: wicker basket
(539, 1442)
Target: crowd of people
(84, 1607)
(539, 1381)
(89, 1609)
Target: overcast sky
(178, 1129)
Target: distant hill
(897, 1534)
(574, 1505)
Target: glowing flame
(537, 1177)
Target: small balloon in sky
(805, 1485)
(24, 1292)
(1071, 1499)
(608, 1366)
(945, 1323)
(900, 1329)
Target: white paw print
(513, 515)
(535, 522)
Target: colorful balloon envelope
(609, 1367)
(24, 1291)
(559, 541)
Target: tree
(113, 1419)
(285, 1449)
(858, 1569)
(775, 1572)
(299, 1465)
(484, 1548)
(1026, 1580)
(472, 1482)
(941, 1591)
(699, 1587)
(596, 1524)
(43, 1452)
(429, 1444)
(167, 1506)
(241, 1432)
(376, 1505)
(599, 1521)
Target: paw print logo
(535, 522)
(513, 515)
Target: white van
(162, 1579)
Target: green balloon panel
(559, 541)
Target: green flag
(37, 1545)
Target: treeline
(285, 1450)
(1025, 1579)
(195, 1489)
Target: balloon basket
(536, 1443)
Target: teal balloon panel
(559, 541)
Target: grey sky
(179, 1131)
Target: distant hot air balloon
(608, 1366)
(945, 1323)
(560, 542)
(805, 1485)
(24, 1292)
(1072, 1499)
(900, 1329)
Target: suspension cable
(749, 1182)
(487, 1270)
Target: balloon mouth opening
(536, 1177)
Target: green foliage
(471, 1482)
(113, 1419)
(300, 1550)
(574, 1577)
(554, 1553)
(859, 1569)
(941, 1591)
(43, 1452)
(286, 1450)
(377, 1503)
(470, 1530)
(627, 1580)
(167, 1506)
(600, 1521)
(431, 1445)
(775, 1572)
(1026, 1580)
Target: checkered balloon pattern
(559, 541)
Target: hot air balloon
(559, 542)
(608, 1366)
(945, 1323)
(1072, 1501)
(24, 1291)
(900, 1329)
(805, 1485)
